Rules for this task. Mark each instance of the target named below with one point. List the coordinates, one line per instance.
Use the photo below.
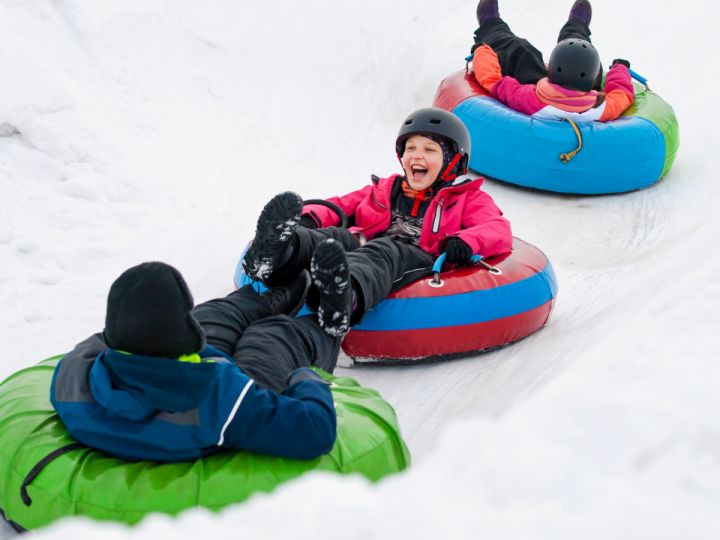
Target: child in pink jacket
(398, 226)
(513, 71)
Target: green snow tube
(86, 482)
(657, 111)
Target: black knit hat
(148, 313)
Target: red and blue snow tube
(470, 310)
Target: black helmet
(436, 122)
(574, 64)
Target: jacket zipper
(438, 213)
(378, 202)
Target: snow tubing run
(86, 482)
(629, 153)
(473, 311)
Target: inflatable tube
(629, 153)
(474, 311)
(86, 482)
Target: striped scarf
(418, 197)
(564, 99)
(411, 193)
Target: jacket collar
(385, 185)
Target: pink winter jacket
(462, 210)
(523, 97)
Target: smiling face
(422, 160)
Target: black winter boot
(581, 10)
(288, 299)
(275, 230)
(486, 10)
(331, 278)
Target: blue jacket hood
(137, 386)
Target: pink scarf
(564, 99)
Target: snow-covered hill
(154, 130)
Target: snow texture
(137, 130)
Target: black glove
(621, 61)
(307, 221)
(304, 374)
(458, 252)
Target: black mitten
(621, 61)
(307, 221)
(458, 252)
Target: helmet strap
(444, 176)
(464, 164)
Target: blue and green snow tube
(629, 153)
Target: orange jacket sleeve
(620, 92)
(486, 67)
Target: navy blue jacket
(141, 408)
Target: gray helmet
(574, 64)
(436, 122)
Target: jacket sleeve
(486, 67)
(300, 423)
(325, 217)
(508, 91)
(485, 229)
(619, 92)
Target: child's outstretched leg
(578, 27)
(273, 348)
(374, 270)
(384, 266)
(224, 320)
(281, 249)
(518, 58)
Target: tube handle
(475, 259)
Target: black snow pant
(381, 266)
(266, 348)
(518, 58)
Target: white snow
(135, 130)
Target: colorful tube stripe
(445, 341)
(464, 309)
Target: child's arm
(324, 217)
(519, 97)
(300, 423)
(485, 230)
(619, 92)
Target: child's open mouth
(418, 172)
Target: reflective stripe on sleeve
(234, 410)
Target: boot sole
(275, 228)
(331, 277)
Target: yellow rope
(567, 157)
